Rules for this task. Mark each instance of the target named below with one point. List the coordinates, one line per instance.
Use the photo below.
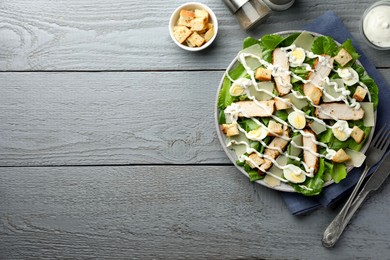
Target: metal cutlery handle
(356, 204)
(337, 226)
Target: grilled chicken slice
(338, 110)
(281, 76)
(322, 69)
(310, 159)
(276, 142)
(256, 109)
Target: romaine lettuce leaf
(327, 136)
(248, 124)
(289, 40)
(238, 72)
(357, 147)
(271, 41)
(224, 97)
(369, 82)
(282, 114)
(336, 144)
(249, 41)
(372, 87)
(324, 45)
(253, 173)
(351, 50)
(221, 117)
(314, 184)
(339, 172)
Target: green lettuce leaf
(238, 72)
(224, 97)
(314, 184)
(221, 117)
(324, 45)
(328, 172)
(248, 124)
(339, 172)
(271, 41)
(336, 144)
(327, 136)
(369, 82)
(372, 87)
(253, 173)
(357, 147)
(289, 40)
(351, 50)
(282, 114)
(249, 41)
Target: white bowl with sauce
(375, 25)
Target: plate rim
(283, 186)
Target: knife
(374, 182)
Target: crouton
(360, 93)
(275, 128)
(256, 159)
(343, 57)
(340, 156)
(187, 14)
(230, 129)
(198, 24)
(280, 105)
(194, 21)
(185, 18)
(357, 134)
(202, 14)
(181, 33)
(207, 27)
(209, 34)
(263, 74)
(196, 40)
(189, 44)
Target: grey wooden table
(108, 147)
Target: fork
(375, 152)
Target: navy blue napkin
(330, 24)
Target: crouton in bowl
(193, 26)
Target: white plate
(232, 155)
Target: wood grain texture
(109, 118)
(129, 35)
(175, 196)
(171, 212)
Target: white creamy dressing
(376, 26)
(233, 111)
(351, 102)
(250, 150)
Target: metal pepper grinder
(248, 12)
(279, 5)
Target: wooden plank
(129, 35)
(109, 118)
(169, 212)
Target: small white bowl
(371, 42)
(192, 6)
